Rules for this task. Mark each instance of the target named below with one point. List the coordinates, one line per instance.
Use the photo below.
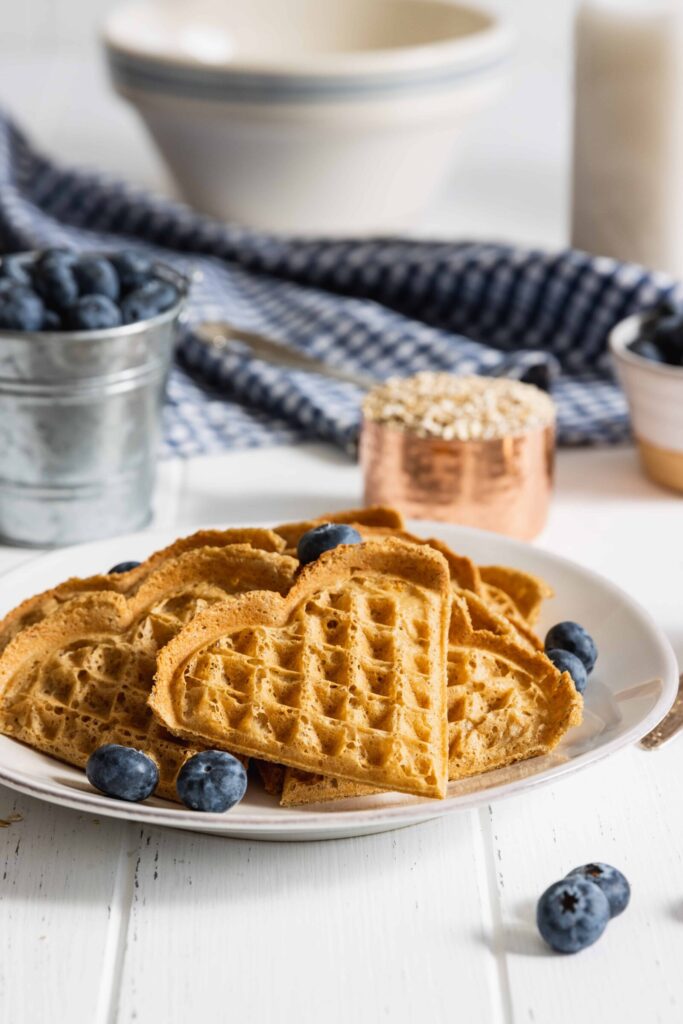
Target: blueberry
(94, 313)
(614, 885)
(122, 772)
(539, 375)
(572, 914)
(323, 538)
(21, 310)
(122, 567)
(51, 321)
(96, 276)
(15, 270)
(211, 781)
(133, 269)
(148, 300)
(569, 636)
(55, 282)
(565, 661)
(647, 349)
(57, 254)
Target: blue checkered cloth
(381, 307)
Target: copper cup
(502, 485)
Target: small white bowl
(655, 396)
(333, 117)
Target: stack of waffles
(395, 664)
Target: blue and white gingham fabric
(380, 306)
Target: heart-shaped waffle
(506, 702)
(38, 607)
(82, 676)
(345, 675)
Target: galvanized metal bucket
(79, 428)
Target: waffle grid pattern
(506, 702)
(344, 686)
(90, 693)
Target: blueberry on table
(572, 914)
(212, 781)
(149, 300)
(323, 538)
(647, 350)
(133, 269)
(95, 275)
(614, 885)
(122, 567)
(122, 772)
(570, 636)
(94, 313)
(21, 310)
(565, 661)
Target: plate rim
(233, 824)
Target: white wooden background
(103, 922)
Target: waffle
(82, 676)
(506, 703)
(300, 788)
(272, 776)
(515, 595)
(526, 592)
(36, 608)
(385, 519)
(346, 674)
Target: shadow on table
(519, 937)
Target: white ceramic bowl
(655, 397)
(334, 117)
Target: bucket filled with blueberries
(86, 343)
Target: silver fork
(669, 726)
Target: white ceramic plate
(632, 688)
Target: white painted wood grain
(625, 811)
(381, 928)
(57, 872)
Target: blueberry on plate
(570, 636)
(212, 781)
(122, 772)
(614, 885)
(133, 268)
(15, 270)
(647, 349)
(55, 282)
(572, 914)
(21, 310)
(95, 275)
(323, 538)
(94, 313)
(122, 567)
(149, 300)
(565, 661)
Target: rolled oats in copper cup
(478, 451)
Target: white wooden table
(105, 922)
